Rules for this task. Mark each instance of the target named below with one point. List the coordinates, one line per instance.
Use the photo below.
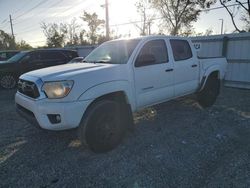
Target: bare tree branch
(242, 5)
(231, 15)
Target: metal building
(236, 48)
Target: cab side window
(181, 49)
(153, 52)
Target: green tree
(55, 34)
(179, 15)
(82, 40)
(22, 45)
(6, 41)
(94, 24)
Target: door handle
(194, 65)
(169, 70)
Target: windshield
(16, 57)
(113, 52)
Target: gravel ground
(175, 144)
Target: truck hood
(67, 71)
(84, 75)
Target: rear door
(153, 74)
(186, 69)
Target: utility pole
(107, 18)
(11, 26)
(221, 30)
(149, 28)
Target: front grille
(28, 88)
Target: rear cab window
(181, 49)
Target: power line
(42, 11)
(204, 10)
(37, 5)
(44, 20)
(66, 10)
(4, 21)
(19, 9)
(51, 6)
(54, 15)
(126, 23)
(215, 8)
(26, 31)
(3, 28)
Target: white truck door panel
(186, 68)
(153, 79)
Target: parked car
(118, 77)
(7, 54)
(26, 61)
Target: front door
(31, 62)
(153, 74)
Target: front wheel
(103, 126)
(211, 90)
(8, 81)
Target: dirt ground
(175, 144)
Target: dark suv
(27, 61)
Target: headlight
(59, 89)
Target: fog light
(54, 118)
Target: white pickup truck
(116, 79)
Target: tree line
(176, 18)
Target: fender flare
(208, 72)
(110, 87)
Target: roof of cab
(151, 37)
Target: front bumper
(37, 111)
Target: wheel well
(118, 96)
(9, 73)
(215, 74)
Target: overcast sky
(28, 14)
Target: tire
(210, 92)
(8, 81)
(103, 126)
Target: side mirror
(145, 59)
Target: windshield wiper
(100, 61)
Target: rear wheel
(8, 81)
(103, 126)
(211, 90)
